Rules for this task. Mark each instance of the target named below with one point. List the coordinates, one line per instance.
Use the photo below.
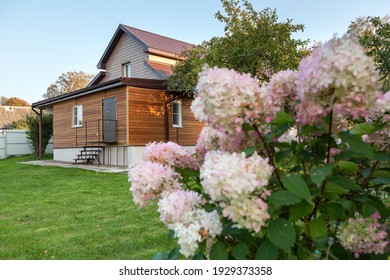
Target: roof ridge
(157, 34)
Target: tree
(68, 82)
(32, 133)
(254, 43)
(13, 101)
(374, 35)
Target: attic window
(177, 118)
(126, 70)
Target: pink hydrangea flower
(170, 154)
(282, 89)
(177, 205)
(381, 138)
(241, 197)
(250, 213)
(211, 139)
(222, 175)
(363, 235)
(202, 226)
(338, 76)
(226, 99)
(149, 180)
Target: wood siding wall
(66, 136)
(147, 119)
(189, 133)
(146, 116)
(129, 49)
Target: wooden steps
(89, 154)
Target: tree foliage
(374, 35)
(32, 121)
(13, 101)
(254, 42)
(68, 82)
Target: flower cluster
(204, 226)
(338, 76)
(222, 179)
(226, 99)
(175, 205)
(211, 139)
(380, 138)
(363, 235)
(282, 89)
(170, 154)
(179, 211)
(150, 179)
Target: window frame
(125, 68)
(77, 116)
(179, 114)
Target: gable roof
(9, 114)
(153, 43)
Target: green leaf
(250, 151)
(381, 180)
(174, 254)
(198, 256)
(368, 210)
(319, 173)
(382, 156)
(334, 210)
(241, 251)
(348, 166)
(281, 234)
(318, 229)
(344, 183)
(282, 118)
(357, 145)
(363, 128)
(218, 251)
(267, 251)
(300, 210)
(158, 256)
(281, 198)
(296, 185)
(334, 188)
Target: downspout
(40, 131)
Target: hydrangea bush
(297, 168)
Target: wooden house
(126, 106)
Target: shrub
(32, 121)
(295, 169)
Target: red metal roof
(159, 42)
(164, 69)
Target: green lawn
(69, 213)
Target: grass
(73, 214)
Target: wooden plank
(188, 134)
(66, 136)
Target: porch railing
(101, 131)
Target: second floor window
(177, 119)
(127, 70)
(77, 120)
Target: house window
(77, 116)
(177, 118)
(127, 70)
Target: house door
(109, 120)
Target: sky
(41, 39)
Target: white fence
(15, 143)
